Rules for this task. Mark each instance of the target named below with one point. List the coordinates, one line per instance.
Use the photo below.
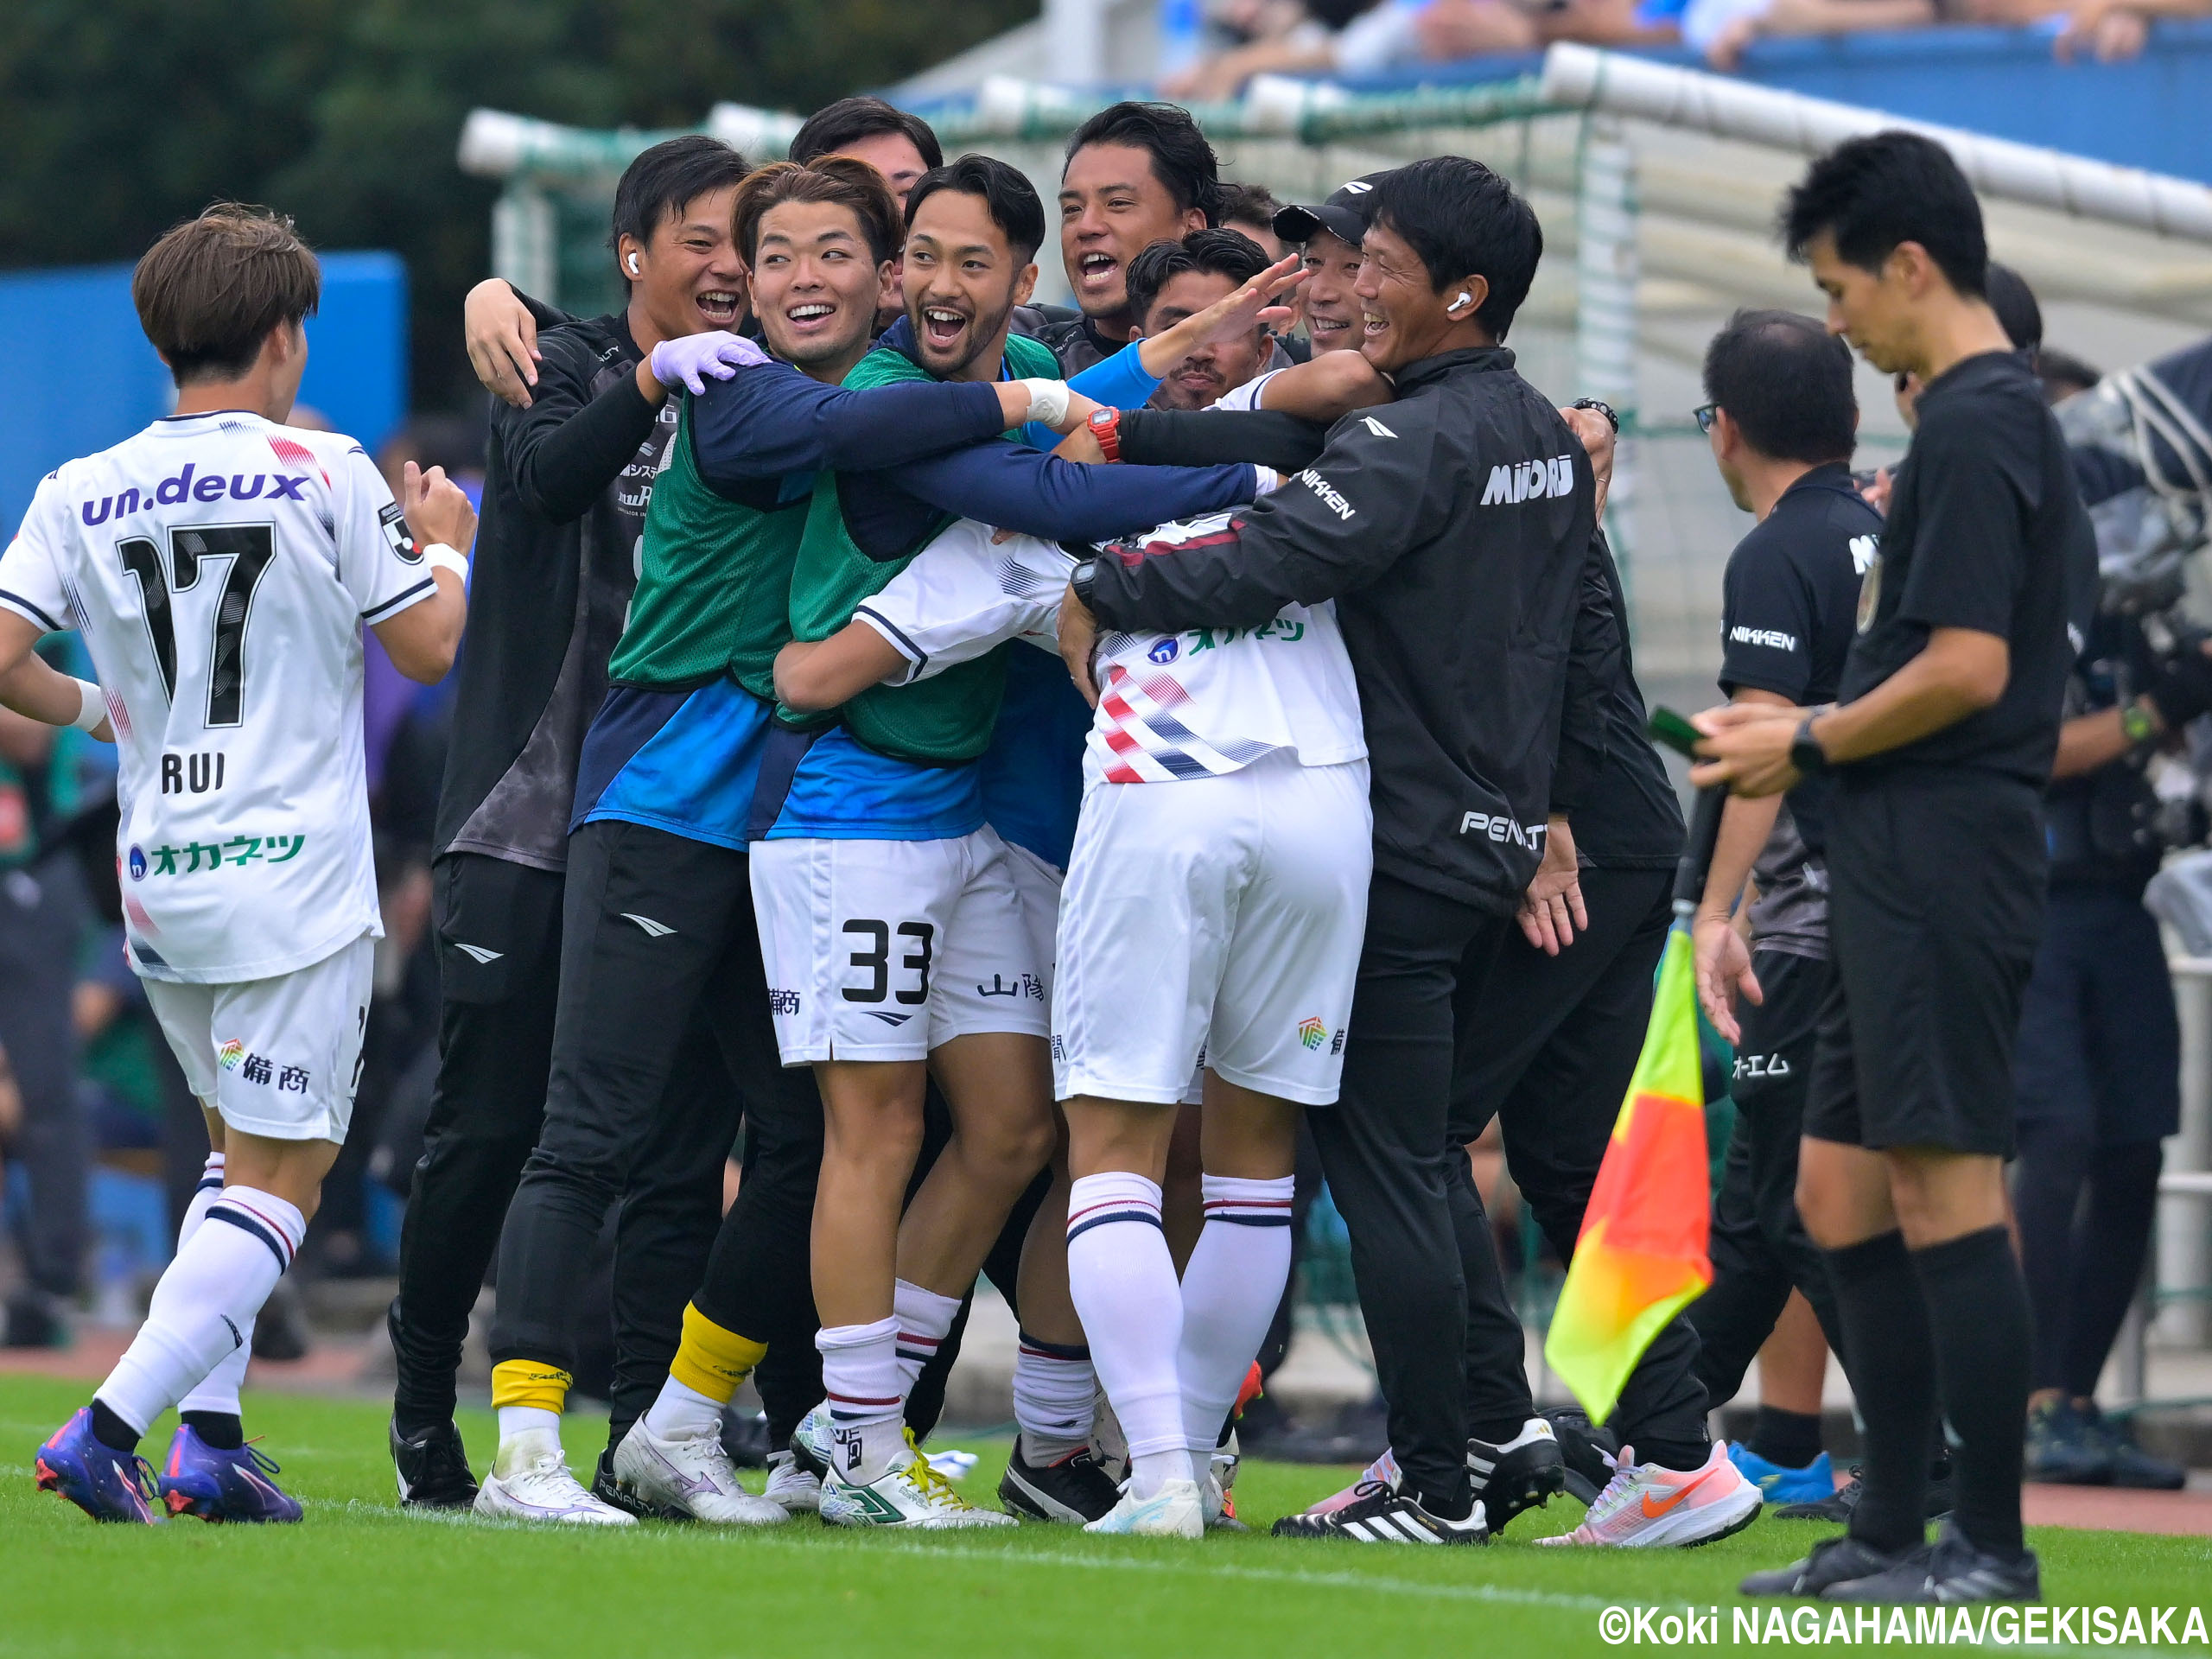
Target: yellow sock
(529, 1383)
(712, 1360)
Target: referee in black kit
(1940, 744)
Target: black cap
(1344, 215)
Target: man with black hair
(1461, 665)
(1252, 208)
(899, 145)
(1171, 280)
(1783, 423)
(565, 495)
(1968, 618)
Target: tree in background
(118, 118)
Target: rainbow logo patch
(231, 1054)
(1311, 1032)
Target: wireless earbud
(633, 268)
(1464, 298)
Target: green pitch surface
(359, 1576)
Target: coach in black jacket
(1452, 527)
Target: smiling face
(1200, 380)
(689, 277)
(1405, 319)
(816, 286)
(1112, 207)
(963, 282)
(1326, 301)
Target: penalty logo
(1311, 1032)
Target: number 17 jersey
(220, 569)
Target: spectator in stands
(2107, 30)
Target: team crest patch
(230, 1055)
(1311, 1032)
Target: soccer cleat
(1176, 1510)
(105, 1484)
(911, 1494)
(432, 1468)
(1779, 1484)
(1218, 1504)
(694, 1477)
(2131, 1465)
(1073, 1490)
(1383, 1472)
(1645, 1506)
(810, 1442)
(1950, 1572)
(1521, 1474)
(1833, 1561)
(540, 1488)
(197, 1478)
(610, 1488)
(789, 1485)
(2062, 1450)
(1836, 1507)
(1589, 1451)
(1382, 1514)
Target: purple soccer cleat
(105, 1484)
(200, 1479)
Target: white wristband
(1048, 401)
(439, 556)
(92, 706)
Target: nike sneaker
(197, 1478)
(1521, 1474)
(1073, 1490)
(910, 1495)
(810, 1441)
(1779, 1484)
(433, 1468)
(1645, 1506)
(1835, 1508)
(1382, 1514)
(1176, 1510)
(789, 1485)
(1588, 1451)
(105, 1484)
(1951, 1572)
(534, 1484)
(695, 1477)
(1383, 1473)
(1833, 1561)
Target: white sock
(1124, 1282)
(1230, 1291)
(205, 1302)
(515, 1422)
(924, 1319)
(867, 1415)
(681, 1412)
(218, 1391)
(1055, 1394)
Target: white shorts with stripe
(1223, 915)
(278, 1057)
(888, 950)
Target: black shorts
(2099, 1061)
(1935, 907)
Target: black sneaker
(2062, 1450)
(1833, 1561)
(433, 1468)
(2131, 1465)
(1587, 1450)
(1073, 1491)
(1385, 1516)
(610, 1488)
(1836, 1510)
(1521, 1474)
(1949, 1573)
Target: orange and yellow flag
(1641, 1255)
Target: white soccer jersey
(1195, 704)
(220, 567)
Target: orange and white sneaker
(1647, 1507)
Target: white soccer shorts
(1221, 916)
(885, 950)
(278, 1057)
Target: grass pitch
(359, 1576)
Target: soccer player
(1170, 281)
(1941, 740)
(898, 144)
(220, 566)
(566, 489)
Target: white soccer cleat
(693, 1476)
(530, 1482)
(1647, 1507)
(797, 1490)
(911, 1494)
(810, 1441)
(1176, 1510)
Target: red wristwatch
(1106, 427)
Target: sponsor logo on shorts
(1026, 985)
(137, 863)
(782, 1001)
(230, 1054)
(1061, 1053)
(1166, 651)
(1311, 1032)
(1763, 1066)
(1337, 1042)
(889, 1018)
